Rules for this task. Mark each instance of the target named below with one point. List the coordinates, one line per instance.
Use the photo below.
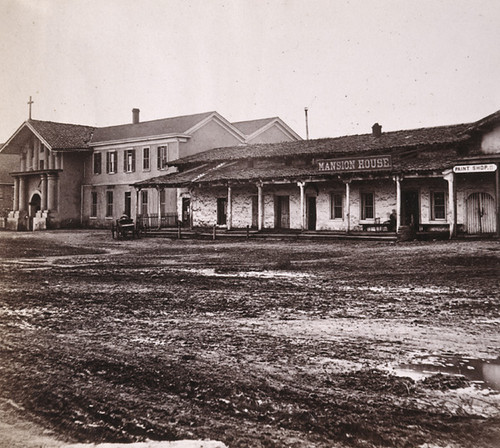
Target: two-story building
(73, 175)
(432, 180)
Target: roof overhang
(17, 140)
(134, 140)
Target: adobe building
(8, 163)
(439, 180)
(74, 175)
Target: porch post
(229, 222)
(301, 185)
(450, 178)
(22, 193)
(347, 205)
(159, 190)
(44, 192)
(15, 205)
(497, 182)
(260, 207)
(397, 179)
(137, 206)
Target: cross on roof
(30, 102)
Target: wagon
(124, 227)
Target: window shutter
(107, 162)
(133, 160)
(125, 157)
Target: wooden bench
(376, 226)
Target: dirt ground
(251, 343)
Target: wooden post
(497, 182)
(301, 185)
(260, 217)
(398, 202)
(229, 218)
(347, 205)
(214, 232)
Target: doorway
(311, 213)
(221, 211)
(35, 204)
(186, 212)
(128, 204)
(410, 209)
(282, 207)
(481, 216)
(255, 212)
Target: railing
(151, 221)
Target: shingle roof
(164, 126)
(250, 126)
(352, 144)
(63, 135)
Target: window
(97, 162)
(162, 157)
(109, 203)
(111, 158)
(336, 206)
(129, 161)
(144, 202)
(42, 164)
(367, 206)
(163, 205)
(93, 204)
(145, 159)
(438, 205)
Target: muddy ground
(252, 343)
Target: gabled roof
(55, 136)
(250, 126)
(485, 123)
(353, 144)
(63, 135)
(165, 126)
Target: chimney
(135, 116)
(376, 130)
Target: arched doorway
(480, 213)
(35, 204)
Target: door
(311, 213)
(221, 211)
(480, 209)
(255, 211)
(282, 212)
(410, 209)
(186, 212)
(128, 203)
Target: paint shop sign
(479, 168)
(373, 163)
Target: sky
(402, 63)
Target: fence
(152, 221)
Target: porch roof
(238, 172)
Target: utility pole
(307, 124)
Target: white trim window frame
(129, 161)
(146, 158)
(336, 205)
(111, 162)
(367, 205)
(438, 206)
(162, 157)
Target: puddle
(211, 272)
(482, 372)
